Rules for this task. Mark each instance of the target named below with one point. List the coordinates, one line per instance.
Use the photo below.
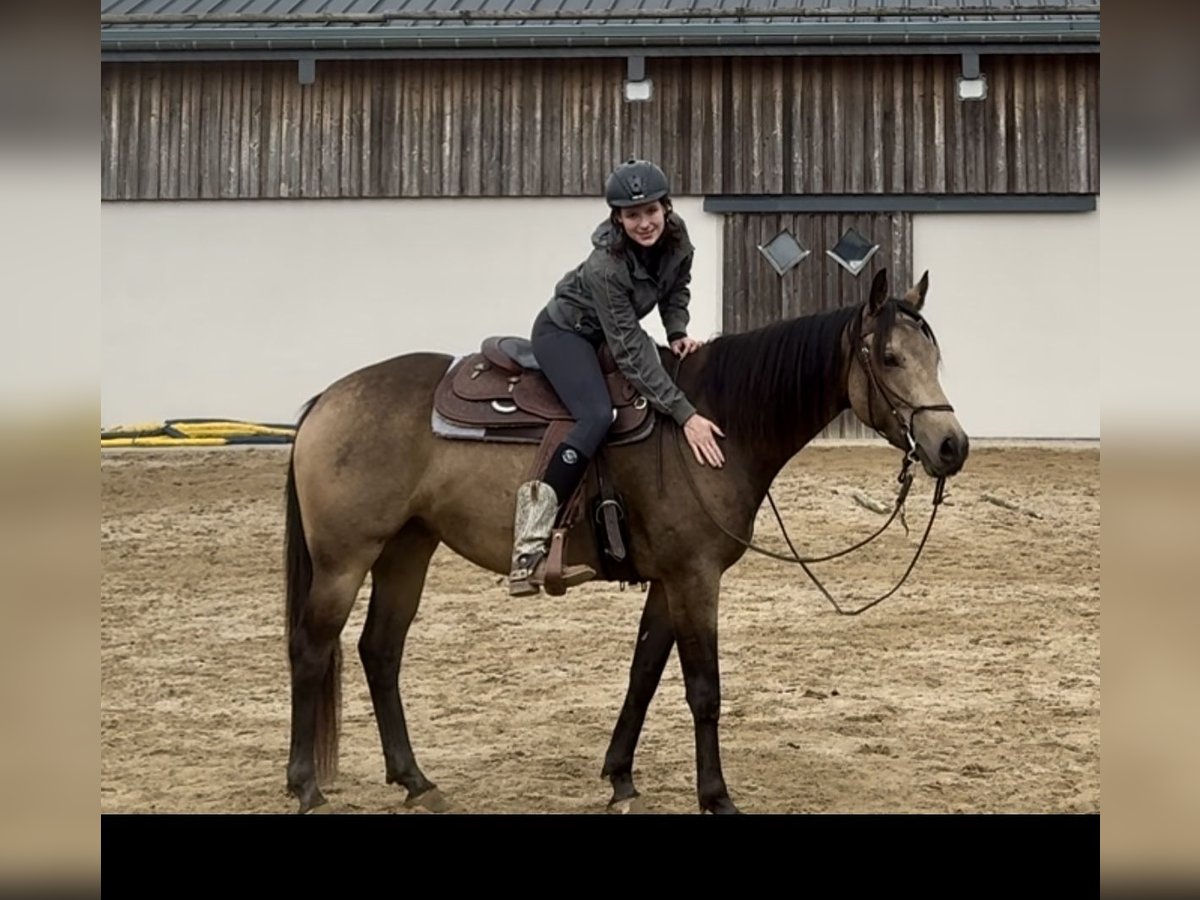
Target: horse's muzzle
(950, 457)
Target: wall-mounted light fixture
(638, 87)
(972, 84)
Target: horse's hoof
(433, 800)
(628, 806)
(721, 808)
(321, 809)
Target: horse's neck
(763, 463)
(765, 460)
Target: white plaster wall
(244, 309)
(1015, 301)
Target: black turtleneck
(649, 257)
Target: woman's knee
(595, 421)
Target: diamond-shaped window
(784, 252)
(853, 251)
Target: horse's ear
(916, 294)
(879, 291)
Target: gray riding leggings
(573, 368)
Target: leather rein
(905, 479)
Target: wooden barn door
(756, 295)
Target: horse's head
(894, 380)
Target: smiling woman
(641, 259)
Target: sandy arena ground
(975, 688)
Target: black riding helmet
(634, 182)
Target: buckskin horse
(372, 487)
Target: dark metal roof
(352, 27)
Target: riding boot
(537, 509)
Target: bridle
(905, 479)
(892, 397)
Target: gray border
(595, 52)
(455, 36)
(849, 203)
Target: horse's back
(385, 398)
(396, 372)
(406, 380)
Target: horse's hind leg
(398, 578)
(653, 648)
(316, 657)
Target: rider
(641, 258)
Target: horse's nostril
(949, 448)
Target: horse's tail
(299, 572)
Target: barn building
(295, 188)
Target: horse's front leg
(692, 602)
(650, 655)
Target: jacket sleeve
(674, 307)
(633, 350)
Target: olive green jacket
(608, 295)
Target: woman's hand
(701, 434)
(681, 347)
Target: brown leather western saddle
(500, 394)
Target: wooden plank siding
(554, 127)
(755, 295)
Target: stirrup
(528, 576)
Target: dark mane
(776, 382)
(771, 383)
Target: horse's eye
(890, 359)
